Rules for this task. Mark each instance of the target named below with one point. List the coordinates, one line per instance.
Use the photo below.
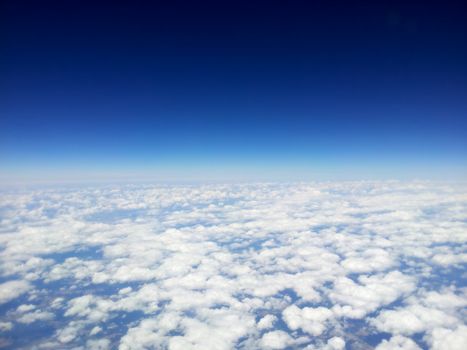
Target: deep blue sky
(225, 87)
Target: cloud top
(255, 266)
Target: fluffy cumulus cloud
(245, 266)
(276, 340)
(12, 289)
(311, 320)
(398, 342)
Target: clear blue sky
(275, 89)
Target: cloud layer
(253, 266)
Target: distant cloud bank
(249, 266)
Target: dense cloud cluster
(356, 265)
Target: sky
(233, 90)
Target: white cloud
(266, 322)
(69, 333)
(6, 326)
(276, 340)
(25, 308)
(355, 300)
(149, 333)
(398, 342)
(95, 330)
(368, 261)
(449, 339)
(450, 259)
(423, 313)
(98, 344)
(13, 289)
(35, 316)
(196, 266)
(445, 300)
(413, 319)
(335, 343)
(310, 320)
